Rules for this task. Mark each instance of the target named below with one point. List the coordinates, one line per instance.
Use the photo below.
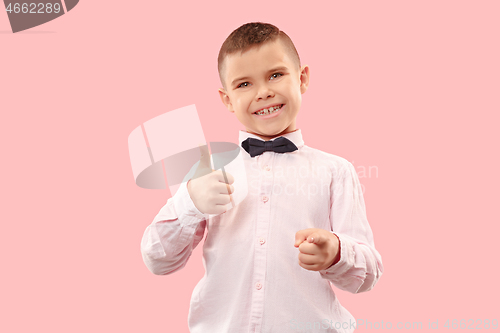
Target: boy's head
(259, 68)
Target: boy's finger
(314, 238)
(230, 178)
(301, 236)
(308, 248)
(225, 189)
(224, 177)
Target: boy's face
(264, 77)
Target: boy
(269, 261)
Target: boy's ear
(304, 78)
(225, 99)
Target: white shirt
(253, 282)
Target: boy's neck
(267, 138)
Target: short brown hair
(250, 35)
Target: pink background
(410, 88)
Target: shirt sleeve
(360, 265)
(176, 230)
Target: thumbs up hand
(208, 189)
(319, 249)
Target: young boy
(270, 260)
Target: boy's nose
(264, 93)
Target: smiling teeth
(272, 109)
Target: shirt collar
(295, 137)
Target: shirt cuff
(186, 211)
(346, 259)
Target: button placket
(262, 220)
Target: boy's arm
(176, 230)
(360, 265)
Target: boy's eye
(276, 75)
(244, 84)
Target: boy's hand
(208, 189)
(319, 249)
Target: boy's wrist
(185, 206)
(336, 247)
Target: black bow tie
(256, 147)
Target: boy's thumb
(205, 166)
(300, 236)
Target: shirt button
(265, 198)
(262, 240)
(267, 168)
(258, 286)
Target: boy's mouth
(269, 110)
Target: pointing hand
(319, 249)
